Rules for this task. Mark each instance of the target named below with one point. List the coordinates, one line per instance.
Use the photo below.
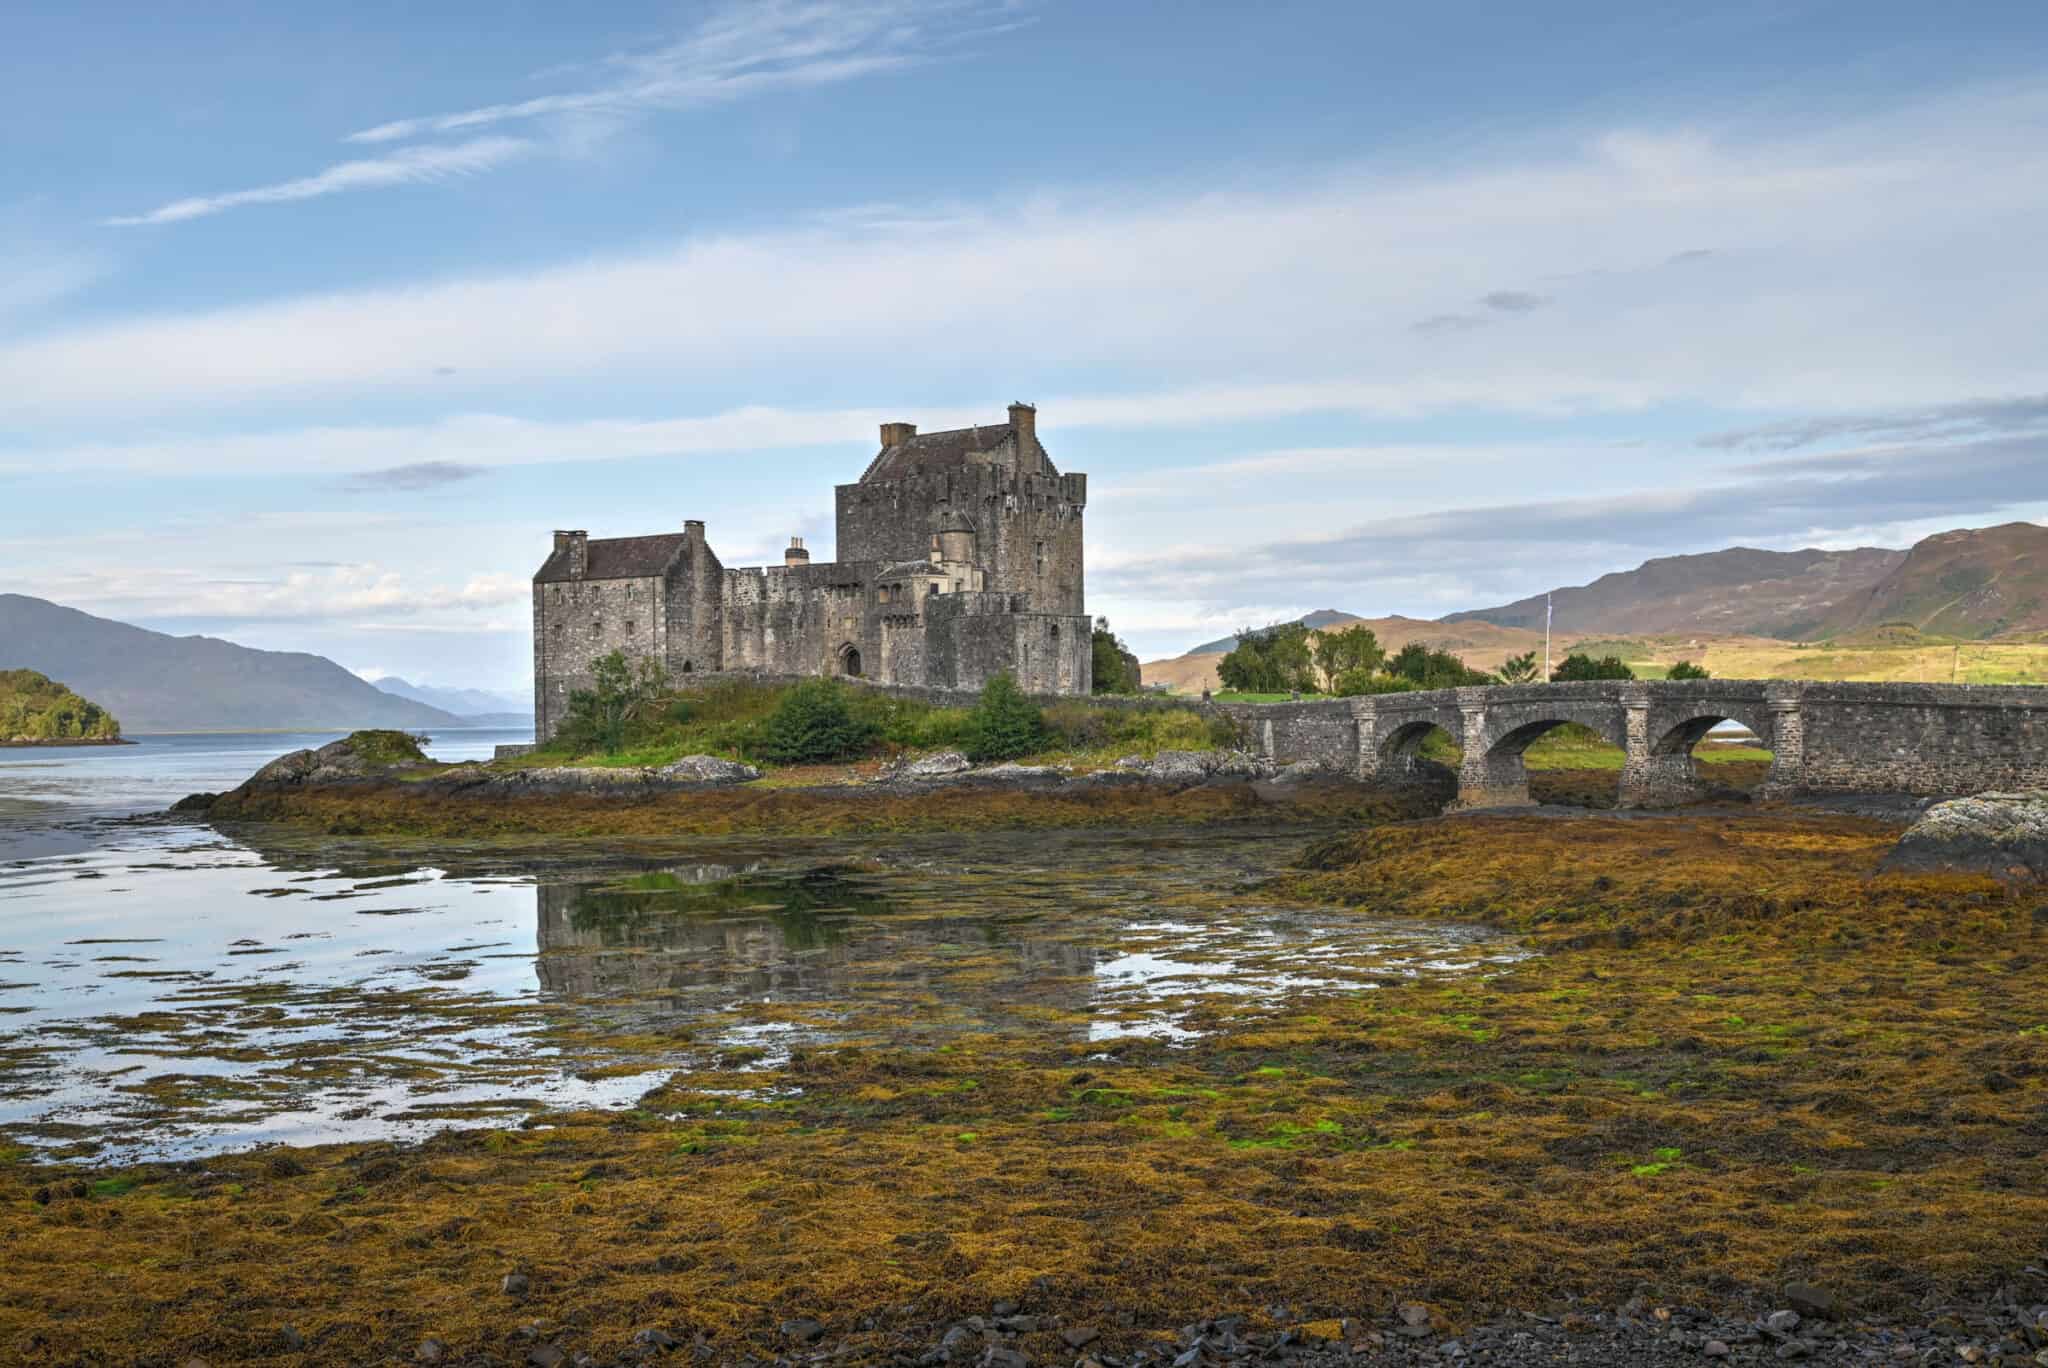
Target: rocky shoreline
(46, 743)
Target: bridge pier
(1650, 778)
(1787, 741)
(1491, 776)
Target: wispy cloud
(406, 166)
(417, 475)
(741, 50)
(1972, 417)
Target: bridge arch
(1401, 750)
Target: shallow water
(165, 990)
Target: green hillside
(34, 707)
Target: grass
(1744, 1056)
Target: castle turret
(577, 544)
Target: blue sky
(314, 323)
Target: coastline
(67, 742)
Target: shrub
(1519, 669)
(1577, 666)
(383, 747)
(621, 695)
(812, 722)
(1685, 669)
(1275, 659)
(1355, 683)
(1004, 724)
(1428, 669)
(1114, 668)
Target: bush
(1428, 669)
(1275, 659)
(1685, 669)
(1356, 683)
(1577, 666)
(1354, 650)
(1520, 669)
(811, 723)
(1114, 668)
(1004, 724)
(600, 717)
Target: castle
(960, 558)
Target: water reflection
(175, 992)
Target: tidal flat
(1484, 1065)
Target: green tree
(1113, 662)
(1354, 649)
(1354, 683)
(1519, 669)
(1581, 667)
(1428, 669)
(1685, 669)
(1276, 659)
(812, 722)
(599, 716)
(1004, 724)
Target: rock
(290, 1340)
(654, 1337)
(1714, 1348)
(546, 1356)
(1190, 767)
(1782, 1322)
(2001, 834)
(430, 1351)
(803, 1330)
(1079, 1336)
(1000, 1357)
(1794, 1349)
(195, 802)
(708, 769)
(1814, 1303)
(1413, 1313)
(1010, 773)
(1018, 1325)
(958, 1342)
(934, 766)
(516, 1285)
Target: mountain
(1741, 591)
(1973, 583)
(1317, 621)
(471, 703)
(155, 682)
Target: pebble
(1715, 1349)
(803, 1330)
(655, 1337)
(1814, 1303)
(1782, 1322)
(516, 1285)
(1080, 1336)
(430, 1351)
(546, 1356)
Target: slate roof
(935, 451)
(618, 558)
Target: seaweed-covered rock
(353, 757)
(2001, 834)
(932, 766)
(708, 769)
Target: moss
(387, 749)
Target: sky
(315, 322)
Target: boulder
(2001, 834)
(932, 766)
(1192, 767)
(708, 769)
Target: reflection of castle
(695, 937)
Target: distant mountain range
(155, 682)
(476, 704)
(1973, 584)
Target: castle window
(630, 625)
(1041, 558)
(931, 588)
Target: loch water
(170, 990)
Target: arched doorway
(849, 661)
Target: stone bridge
(1934, 739)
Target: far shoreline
(67, 741)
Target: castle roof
(619, 558)
(928, 451)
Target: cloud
(1447, 323)
(350, 593)
(1971, 417)
(1867, 252)
(740, 50)
(417, 475)
(407, 166)
(1513, 301)
(1797, 501)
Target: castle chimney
(1024, 420)
(796, 555)
(577, 544)
(693, 531)
(896, 434)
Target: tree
(812, 722)
(1576, 666)
(1685, 669)
(1427, 669)
(1276, 659)
(1354, 649)
(599, 715)
(1114, 667)
(1004, 724)
(1519, 669)
(1354, 683)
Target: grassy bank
(1743, 1057)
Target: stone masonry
(960, 558)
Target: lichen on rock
(2004, 835)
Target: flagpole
(1546, 638)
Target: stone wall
(577, 621)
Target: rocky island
(36, 710)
